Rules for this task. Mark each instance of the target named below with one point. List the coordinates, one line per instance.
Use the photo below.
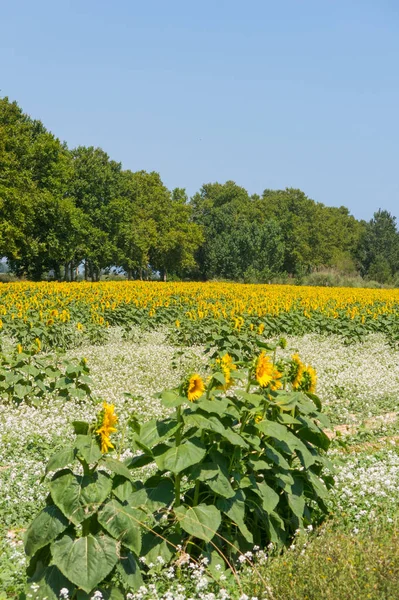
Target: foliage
(379, 248)
(65, 315)
(31, 377)
(63, 209)
(233, 467)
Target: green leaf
(253, 399)
(269, 497)
(318, 485)
(155, 431)
(116, 466)
(201, 521)
(282, 434)
(310, 432)
(60, 460)
(275, 456)
(215, 477)
(234, 438)
(153, 546)
(129, 570)
(88, 448)
(122, 488)
(259, 465)
(171, 399)
(199, 421)
(234, 508)
(44, 529)
(49, 581)
(178, 458)
(219, 378)
(315, 399)
(136, 462)
(85, 561)
(217, 406)
(79, 496)
(287, 419)
(123, 523)
(287, 401)
(297, 505)
(273, 429)
(157, 493)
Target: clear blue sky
(269, 93)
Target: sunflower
(296, 370)
(309, 379)
(107, 421)
(276, 383)
(194, 387)
(227, 366)
(264, 370)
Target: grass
(356, 555)
(336, 564)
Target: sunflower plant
(86, 538)
(240, 461)
(30, 377)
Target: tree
(379, 248)
(178, 237)
(94, 184)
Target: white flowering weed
(355, 382)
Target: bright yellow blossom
(195, 387)
(264, 370)
(108, 419)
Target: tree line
(63, 209)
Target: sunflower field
(181, 441)
(62, 314)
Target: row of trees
(61, 209)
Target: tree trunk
(57, 272)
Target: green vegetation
(360, 536)
(61, 209)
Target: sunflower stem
(178, 476)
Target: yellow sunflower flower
(296, 371)
(309, 379)
(264, 370)
(276, 383)
(195, 387)
(227, 366)
(108, 419)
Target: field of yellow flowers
(66, 349)
(60, 314)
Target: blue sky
(269, 93)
